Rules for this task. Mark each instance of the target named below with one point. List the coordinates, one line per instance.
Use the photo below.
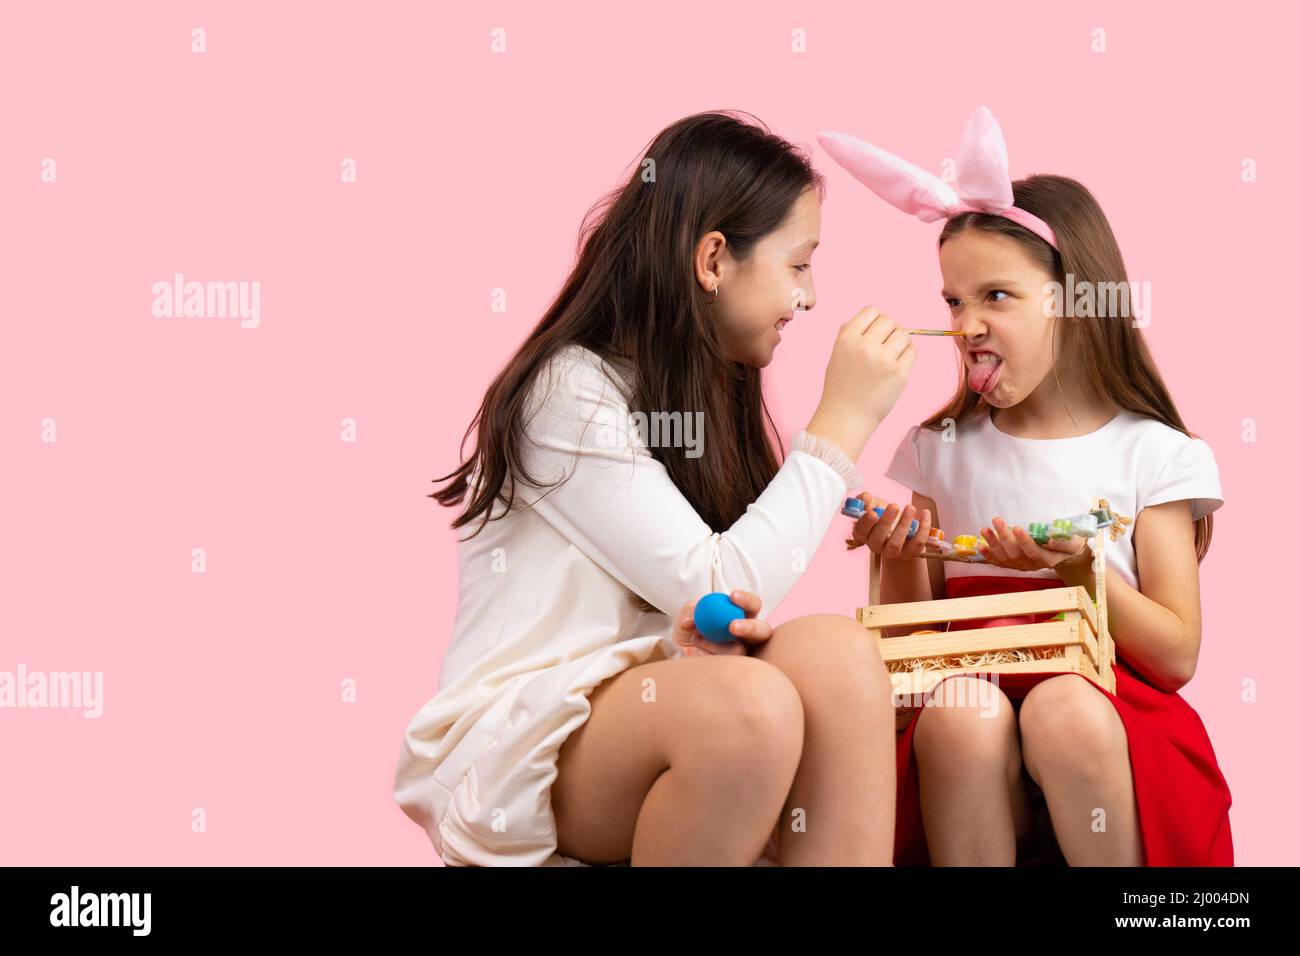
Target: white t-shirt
(980, 472)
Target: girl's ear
(914, 190)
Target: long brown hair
(632, 296)
(1112, 357)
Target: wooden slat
(1087, 647)
(1090, 670)
(1089, 612)
(905, 682)
(1106, 643)
(984, 639)
(974, 608)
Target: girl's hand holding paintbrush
(869, 365)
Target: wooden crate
(1079, 643)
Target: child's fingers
(748, 602)
(751, 630)
(1071, 545)
(1031, 549)
(993, 549)
(684, 629)
(879, 536)
(1007, 540)
(686, 635)
(862, 527)
(917, 544)
(700, 647)
(898, 538)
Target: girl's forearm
(903, 580)
(1152, 638)
(850, 431)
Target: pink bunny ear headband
(983, 184)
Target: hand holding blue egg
(713, 616)
(721, 624)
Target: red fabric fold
(1182, 797)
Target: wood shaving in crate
(1009, 656)
(1120, 523)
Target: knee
(966, 719)
(751, 708)
(829, 648)
(1065, 723)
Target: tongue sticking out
(983, 375)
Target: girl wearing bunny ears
(1050, 410)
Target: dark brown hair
(1112, 357)
(632, 295)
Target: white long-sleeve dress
(544, 613)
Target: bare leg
(840, 811)
(1076, 749)
(973, 799)
(683, 762)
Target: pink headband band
(983, 184)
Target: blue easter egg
(713, 613)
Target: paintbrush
(932, 332)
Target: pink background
(325, 560)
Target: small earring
(715, 295)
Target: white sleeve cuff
(833, 455)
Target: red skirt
(1182, 798)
